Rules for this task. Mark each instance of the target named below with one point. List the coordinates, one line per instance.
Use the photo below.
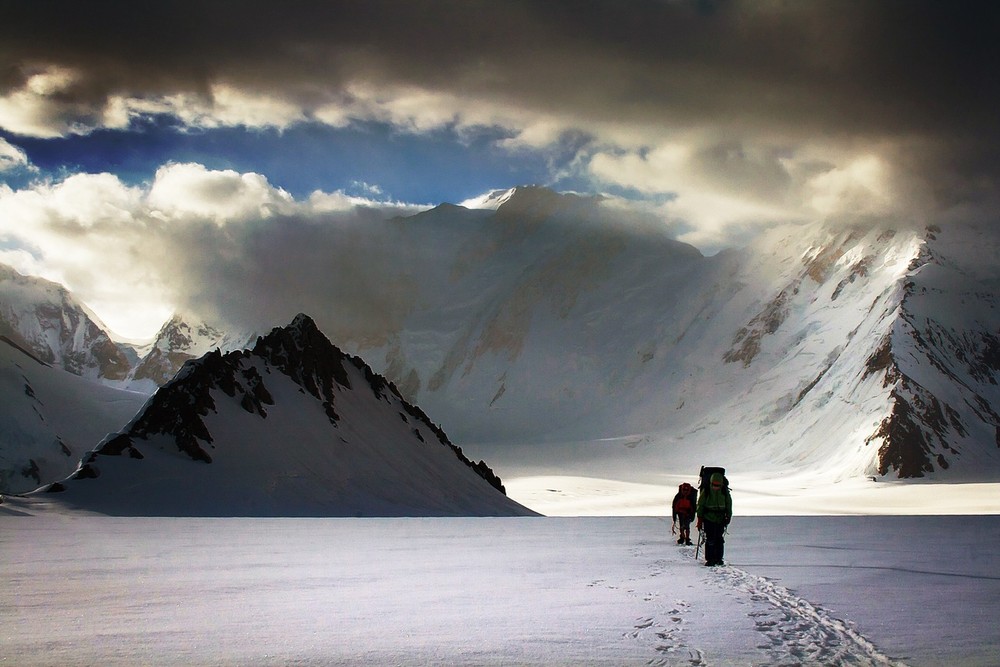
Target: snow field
(84, 590)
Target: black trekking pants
(714, 541)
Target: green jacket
(715, 505)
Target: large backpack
(705, 477)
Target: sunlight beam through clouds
(194, 238)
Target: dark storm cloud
(919, 75)
(875, 64)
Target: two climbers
(712, 505)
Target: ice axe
(701, 540)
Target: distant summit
(491, 200)
(521, 198)
(293, 427)
(181, 338)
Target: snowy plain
(816, 590)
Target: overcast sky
(125, 124)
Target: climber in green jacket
(715, 511)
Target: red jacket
(685, 502)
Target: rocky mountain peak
(187, 411)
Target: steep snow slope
(44, 318)
(50, 418)
(779, 351)
(292, 428)
(755, 358)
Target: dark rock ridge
(924, 430)
(917, 435)
(300, 351)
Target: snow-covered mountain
(50, 418)
(565, 333)
(44, 318)
(293, 427)
(845, 351)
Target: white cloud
(12, 157)
(111, 244)
(228, 106)
(92, 200)
(722, 190)
(233, 106)
(193, 191)
(90, 234)
(45, 106)
(223, 106)
(409, 108)
(716, 210)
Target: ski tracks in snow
(793, 630)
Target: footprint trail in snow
(793, 631)
(796, 631)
